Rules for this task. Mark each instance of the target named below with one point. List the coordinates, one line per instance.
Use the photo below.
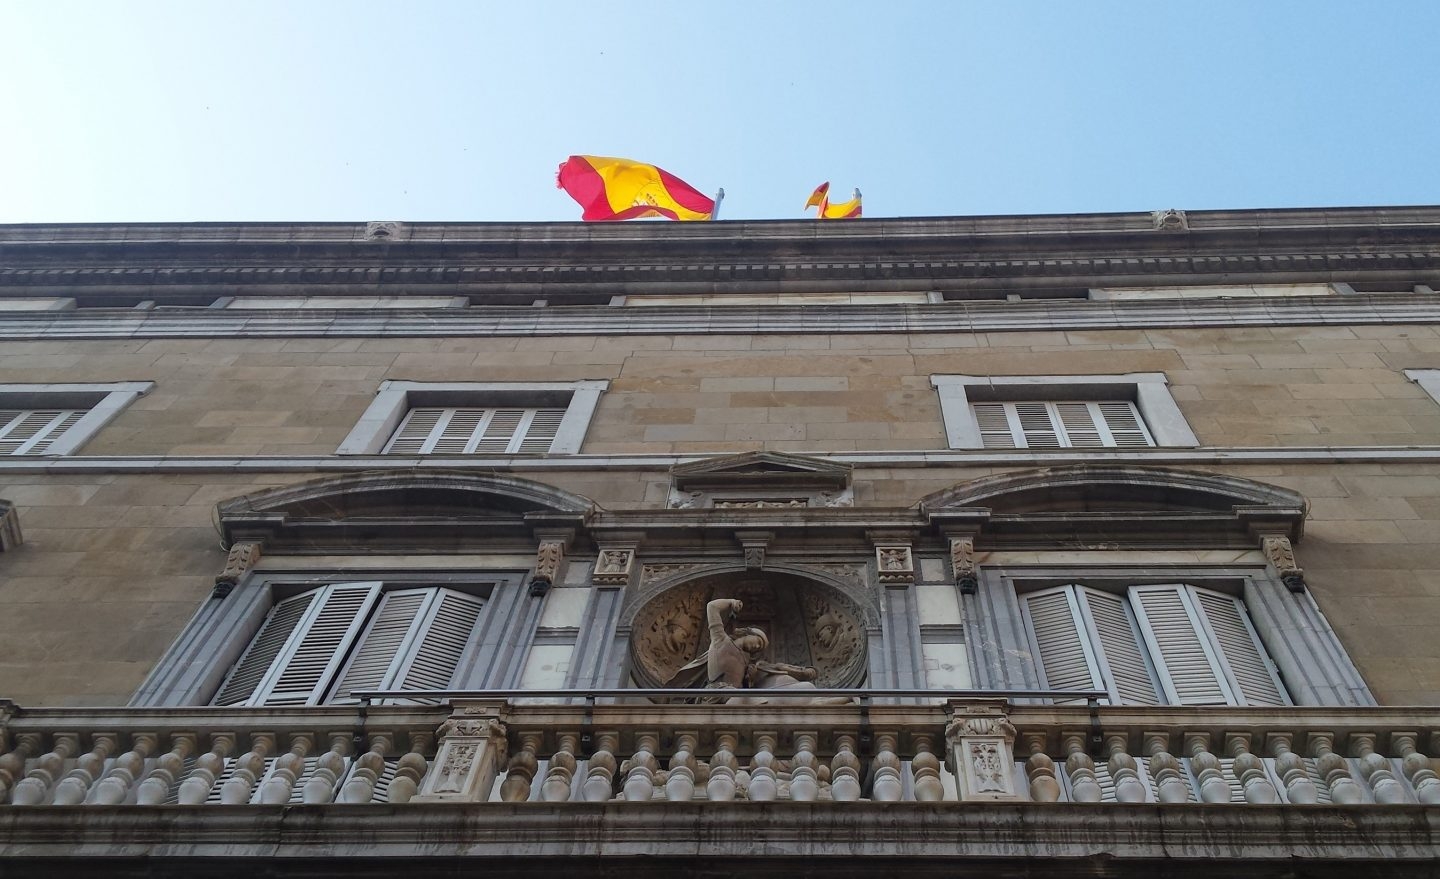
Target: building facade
(1106, 544)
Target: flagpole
(715, 211)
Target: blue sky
(306, 110)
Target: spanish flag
(619, 189)
(845, 210)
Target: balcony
(896, 775)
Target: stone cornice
(506, 263)
(1359, 309)
(1216, 456)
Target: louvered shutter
(1250, 670)
(306, 665)
(31, 431)
(1078, 422)
(267, 645)
(1121, 419)
(1122, 658)
(472, 430)
(1185, 658)
(994, 422)
(1066, 659)
(414, 642)
(1037, 424)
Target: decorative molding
(549, 556)
(962, 563)
(753, 544)
(1170, 220)
(1281, 556)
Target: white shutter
(473, 430)
(1121, 419)
(302, 672)
(1038, 425)
(1122, 658)
(994, 422)
(1066, 659)
(445, 633)
(1185, 658)
(258, 658)
(414, 642)
(31, 431)
(1079, 423)
(1250, 670)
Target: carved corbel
(1281, 556)
(242, 558)
(981, 741)
(962, 562)
(754, 543)
(549, 556)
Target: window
(1042, 425)
(1130, 410)
(1173, 644)
(56, 419)
(321, 645)
(468, 418)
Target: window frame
(1148, 391)
(394, 400)
(101, 403)
(200, 661)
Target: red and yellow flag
(619, 189)
(845, 210)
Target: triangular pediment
(761, 470)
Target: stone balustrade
(503, 748)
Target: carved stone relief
(613, 566)
(962, 561)
(1281, 556)
(982, 751)
(894, 564)
(241, 559)
(808, 624)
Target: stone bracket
(243, 556)
(754, 544)
(549, 557)
(1281, 556)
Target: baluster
(1170, 784)
(561, 775)
(288, 768)
(639, 770)
(328, 769)
(195, 789)
(926, 768)
(248, 768)
(1376, 769)
(680, 783)
(115, 786)
(369, 766)
(721, 786)
(1417, 767)
(763, 786)
(155, 789)
(12, 765)
(1333, 768)
(599, 783)
(1124, 771)
(804, 780)
(76, 784)
(1250, 769)
(845, 771)
(520, 772)
(1040, 770)
(411, 768)
(1084, 787)
(1206, 766)
(887, 786)
(1299, 788)
(32, 788)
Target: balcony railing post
(1040, 770)
(288, 769)
(680, 782)
(925, 766)
(320, 787)
(520, 773)
(720, 788)
(115, 786)
(248, 769)
(1124, 770)
(195, 789)
(360, 786)
(561, 775)
(12, 765)
(1250, 770)
(155, 789)
(599, 783)
(764, 784)
(1417, 767)
(845, 770)
(1169, 775)
(1080, 767)
(1376, 769)
(886, 786)
(472, 744)
(1291, 769)
(639, 770)
(1206, 766)
(411, 768)
(37, 782)
(1333, 768)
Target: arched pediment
(403, 506)
(1087, 488)
(1120, 504)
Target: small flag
(619, 189)
(845, 210)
